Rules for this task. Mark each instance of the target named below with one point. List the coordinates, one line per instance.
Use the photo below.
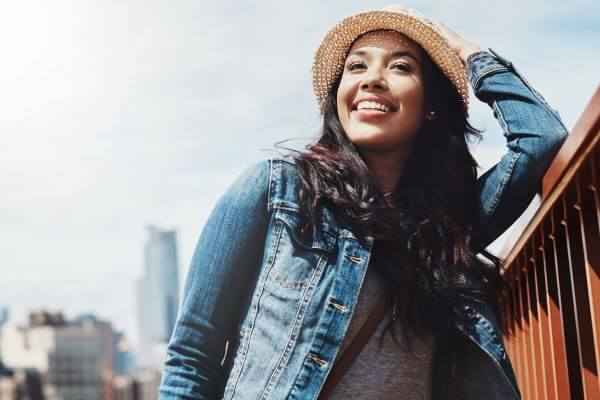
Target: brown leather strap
(359, 341)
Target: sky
(115, 115)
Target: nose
(374, 81)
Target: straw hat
(331, 53)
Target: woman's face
(381, 99)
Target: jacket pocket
(297, 254)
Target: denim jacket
(265, 310)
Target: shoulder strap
(359, 341)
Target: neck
(387, 167)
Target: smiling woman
(309, 260)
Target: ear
(429, 111)
(430, 114)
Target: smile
(371, 110)
(373, 105)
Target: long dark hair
(426, 231)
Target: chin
(372, 141)
(369, 134)
(377, 140)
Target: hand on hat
(463, 48)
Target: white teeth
(373, 105)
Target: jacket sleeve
(225, 263)
(534, 133)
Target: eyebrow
(395, 54)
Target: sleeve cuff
(483, 63)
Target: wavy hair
(426, 231)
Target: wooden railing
(553, 308)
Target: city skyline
(54, 357)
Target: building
(108, 350)
(124, 358)
(4, 314)
(74, 359)
(142, 385)
(157, 297)
(20, 384)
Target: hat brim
(331, 52)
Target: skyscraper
(3, 315)
(157, 296)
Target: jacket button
(337, 306)
(316, 359)
(354, 259)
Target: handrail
(562, 168)
(552, 310)
(579, 139)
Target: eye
(355, 65)
(403, 66)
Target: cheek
(412, 107)
(344, 94)
(411, 96)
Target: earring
(431, 115)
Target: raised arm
(224, 265)
(534, 134)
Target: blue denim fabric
(264, 309)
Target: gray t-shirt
(390, 371)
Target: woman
(271, 306)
